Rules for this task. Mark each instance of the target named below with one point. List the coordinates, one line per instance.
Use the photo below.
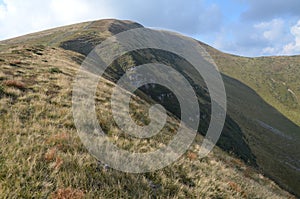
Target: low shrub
(55, 70)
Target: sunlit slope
(275, 79)
(41, 155)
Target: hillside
(275, 79)
(43, 156)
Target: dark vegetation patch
(15, 63)
(55, 70)
(83, 44)
(38, 53)
(1, 90)
(118, 27)
(37, 49)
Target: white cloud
(271, 30)
(2, 11)
(270, 51)
(294, 47)
(18, 17)
(260, 38)
(68, 10)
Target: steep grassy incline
(254, 131)
(41, 155)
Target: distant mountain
(261, 128)
(275, 79)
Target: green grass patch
(55, 70)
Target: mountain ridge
(228, 63)
(237, 121)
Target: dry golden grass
(42, 156)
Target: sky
(241, 27)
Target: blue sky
(242, 27)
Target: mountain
(42, 155)
(275, 79)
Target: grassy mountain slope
(37, 72)
(275, 79)
(254, 130)
(42, 156)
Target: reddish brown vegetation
(192, 156)
(67, 193)
(15, 83)
(49, 156)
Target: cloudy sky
(243, 27)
